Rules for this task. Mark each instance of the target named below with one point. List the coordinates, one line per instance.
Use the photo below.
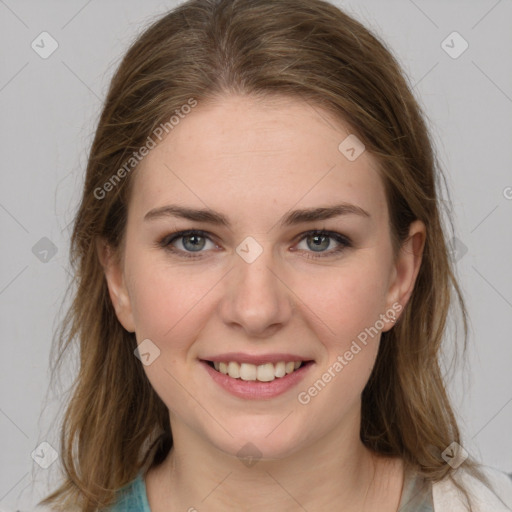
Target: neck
(337, 469)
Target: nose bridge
(256, 298)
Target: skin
(254, 160)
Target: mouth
(266, 372)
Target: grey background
(49, 111)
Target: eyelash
(167, 241)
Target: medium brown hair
(115, 424)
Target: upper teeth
(263, 372)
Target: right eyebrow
(294, 217)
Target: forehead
(250, 153)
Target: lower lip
(254, 389)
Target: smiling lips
(262, 368)
(264, 372)
(257, 377)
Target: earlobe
(114, 277)
(406, 268)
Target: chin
(263, 441)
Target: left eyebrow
(291, 218)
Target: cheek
(350, 303)
(347, 299)
(167, 306)
(160, 298)
(170, 306)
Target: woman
(263, 278)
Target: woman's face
(260, 289)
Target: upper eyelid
(167, 240)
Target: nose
(256, 298)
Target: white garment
(447, 498)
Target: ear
(406, 268)
(115, 278)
